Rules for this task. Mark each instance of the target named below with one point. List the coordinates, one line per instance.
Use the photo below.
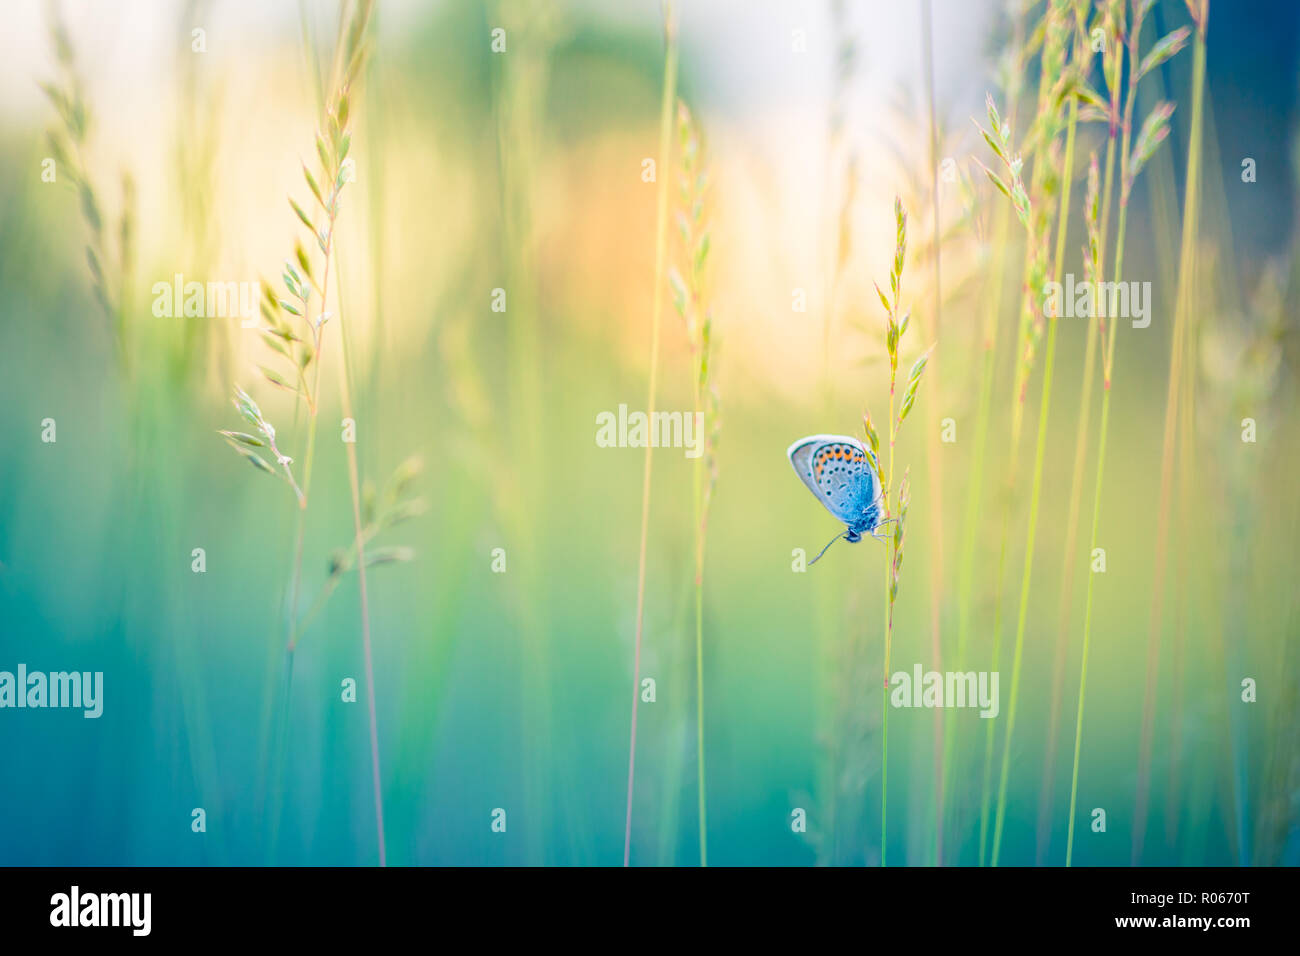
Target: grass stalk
(896, 328)
(988, 368)
(1182, 307)
(690, 298)
(1045, 403)
(1153, 131)
(361, 535)
(354, 484)
(295, 586)
(661, 252)
(840, 177)
(1077, 478)
(889, 632)
(1036, 217)
(934, 458)
(347, 388)
(333, 142)
(975, 487)
(698, 513)
(1107, 369)
(1000, 139)
(704, 478)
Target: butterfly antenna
(842, 534)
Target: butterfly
(842, 473)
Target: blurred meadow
(531, 211)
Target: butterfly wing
(840, 472)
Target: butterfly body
(841, 473)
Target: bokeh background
(511, 690)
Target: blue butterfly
(842, 473)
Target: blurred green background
(523, 171)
